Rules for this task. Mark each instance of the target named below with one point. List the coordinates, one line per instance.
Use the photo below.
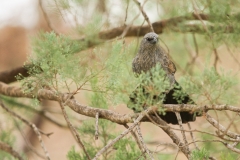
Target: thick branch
(73, 104)
(142, 30)
(103, 113)
(10, 75)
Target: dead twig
(192, 136)
(220, 127)
(183, 133)
(7, 148)
(104, 149)
(137, 140)
(36, 130)
(73, 130)
(144, 15)
(28, 144)
(142, 142)
(96, 126)
(209, 34)
(46, 16)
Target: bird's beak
(154, 41)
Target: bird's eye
(149, 39)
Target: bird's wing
(171, 67)
(135, 64)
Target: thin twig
(96, 126)
(222, 135)
(73, 130)
(209, 34)
(193, 56)
(144, 15)
(7, 148)
(142, 142)
(220, 127)
(232, 148)
(182, 131)
(126, 13)
(29, 146)
(137, 140)
(44, 113)
(229, 118)
(236, 143)
(128, 26)
(167, 129)
(104, 149)
(31, 125)
(192, 136)
(46, 16)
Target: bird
(151, 54)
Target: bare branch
(10, 75)
(30, 125)
(167, 129)
(96, 126)
(183, 133)
(46, 16)
(28, 144)
(137, 140)
(209, 34)
(104, 149)
(108, 114)
(231, 147)
(158, 27)
(73, 130)
(7, 148)
(193, 138)
(142, 142)
(144, 15)
(220, 127)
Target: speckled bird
(149, 55)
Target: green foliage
(228, 156)
(126, 145)
(211, 87)
(150, 89)
(118, 72)
(7, 137)
(53, 63)
(126, 149)
(73, 154)
(202, 154)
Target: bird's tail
(169, 98)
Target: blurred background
(23, 19)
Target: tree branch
(12, 91)
(10, 75)
(74, 131)
(142, 30)
(141, 115)
(33, 126)
(7, 148)
(183, 133)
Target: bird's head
(150, 38)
